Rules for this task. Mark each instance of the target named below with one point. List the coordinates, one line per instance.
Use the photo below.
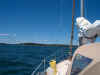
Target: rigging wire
(71, 41)
(72, 32)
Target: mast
(82, 8)
(82, 15)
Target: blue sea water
(22, 60)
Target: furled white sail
(87, 29)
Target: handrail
(33, 73)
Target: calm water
(22, 60)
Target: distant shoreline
(37, 44)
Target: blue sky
(36, 20)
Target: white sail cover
(97, 25)
(87, 28)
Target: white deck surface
(62, 67)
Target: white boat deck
(62, 68)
